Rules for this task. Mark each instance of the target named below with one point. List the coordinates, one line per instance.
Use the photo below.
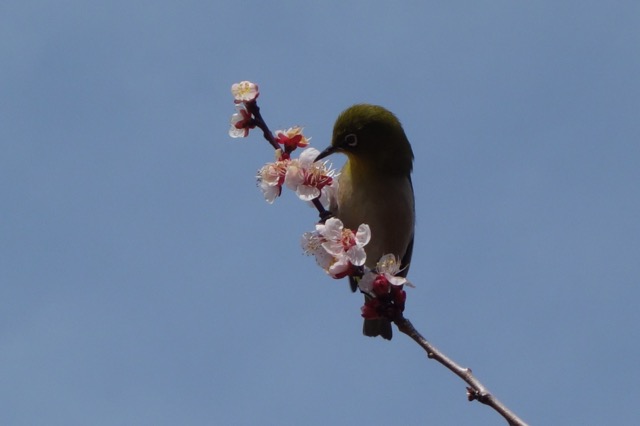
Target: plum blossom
(271, 177)
(309, 180)
(377, 282)
(241, 122)
(341, 240)
(245, 91)
(338, 250)
(312, 245)
(306, 178)
(292, 138)
(384, 289)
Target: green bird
(375, 188)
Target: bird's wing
(406, 258)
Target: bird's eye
(351, 139)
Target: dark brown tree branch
(258, 121)
(476, 390)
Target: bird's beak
(327, 152)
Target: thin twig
(254, 109)
(324, 213)
(259, 122)
(475, 390)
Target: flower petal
(307, 193)
(363, 236)
(340, 267)
(294, 175)
(357, 255)
(234, 132)
(395, 280)
(308, 155)
(333, 229)
(366, 282)
(333, 247)
(270, 192)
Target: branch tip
(476, 390)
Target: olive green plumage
(375, 186)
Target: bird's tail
(377, 327)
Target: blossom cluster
(384, 286)
(338, 250)
(308, 179)
(242, 121)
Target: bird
(375, 188)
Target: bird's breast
(386, 204)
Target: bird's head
(372, 138)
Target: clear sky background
(144, 280)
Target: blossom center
(317, 177)
(348, 239)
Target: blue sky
(144, 280)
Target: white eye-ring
(351, 139)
